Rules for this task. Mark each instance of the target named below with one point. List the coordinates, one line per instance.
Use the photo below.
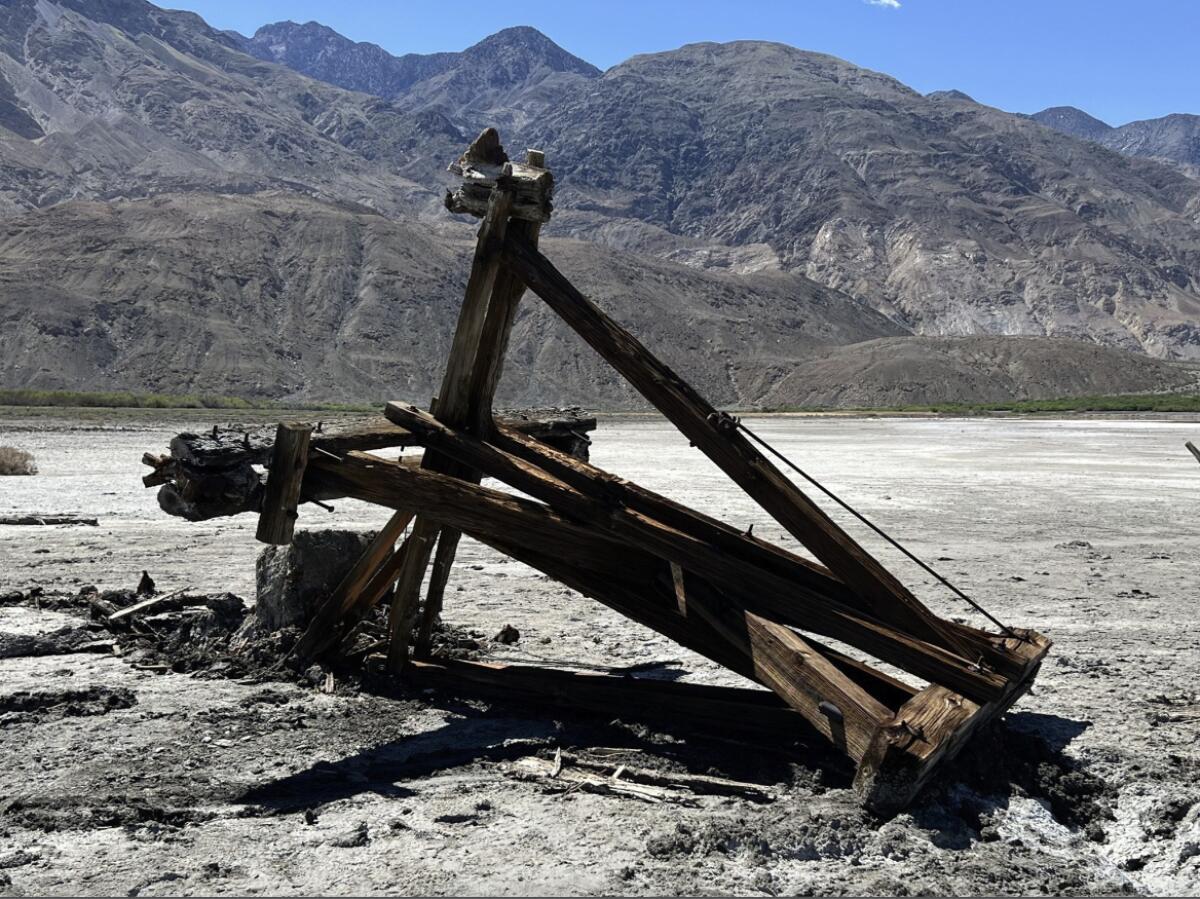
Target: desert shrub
(16, 461)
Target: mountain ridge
(229, 224)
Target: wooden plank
(478, 510)
(282, 496)
(888, 599)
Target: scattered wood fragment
(21, 520)
(574, 772)
(138, 608)
(570, 779)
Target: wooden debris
(750, 606)
(146, 605)
(1193, 450)
(571, 778)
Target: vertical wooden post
(277, 522)
(472, 371)
(481, 392)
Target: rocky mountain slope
(276, 295)
(224, 223)
(948, 216)
(1172, 138)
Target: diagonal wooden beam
(889, 600)
(797, 603)
(481, 511)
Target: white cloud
(890, 4)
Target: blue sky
(1118, 59)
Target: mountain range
(188, 209)
(1173, 139)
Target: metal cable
(837, 499)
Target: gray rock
(293, 580)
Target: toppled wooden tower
(752, 607)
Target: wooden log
(478, 511)
(888, 599)
(928, 731)
(1192, 449)
(282, 496)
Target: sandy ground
(119, 781)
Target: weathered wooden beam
(928, 731)
(718, 439)
(225, 448)
(282, 495)
(212, 475)
(611, 489)
(480, 393)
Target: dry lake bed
(118, 780)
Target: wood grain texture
(281, 498)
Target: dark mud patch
(63, 641)
(1004, 761)
(46, 705)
